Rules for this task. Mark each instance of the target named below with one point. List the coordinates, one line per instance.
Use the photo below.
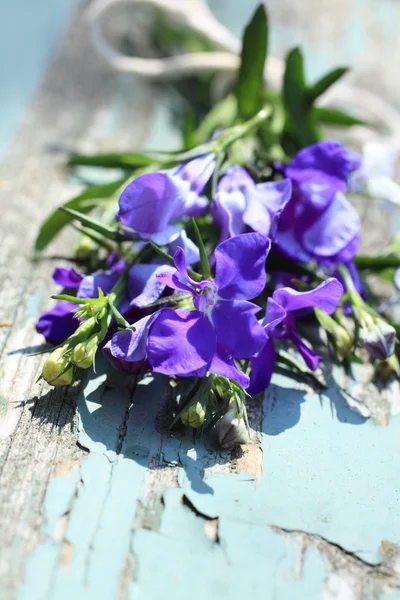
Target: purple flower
(58, 323)
(319, 223)
(221, 327)
(152, 203)
(279, 323)
(240, 203)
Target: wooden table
(96, 499)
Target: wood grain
(97, 499)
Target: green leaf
(85, 202)
(377, 263)
(205, 265)
(301, 121)
(221, 115)
(334, 116)
(112, 160)
(251, 73)
(316, 90)
(104, 230)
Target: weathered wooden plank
(309, 511)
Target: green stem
(377, 263)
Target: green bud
(194, 416)
(84, 329)
(376, 336)
(84, 247)
(83, 354)
(58, 370)
(232, 427)
(343, 340)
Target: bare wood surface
(97, 500)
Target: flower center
(208, 297)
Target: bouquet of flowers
(216, 264)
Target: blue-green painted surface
(30, 33)
(326, 470)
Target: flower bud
(343, 339)
(194, 416)
(84, 247)
(83, 354)
(377, 337)
(232, 428)
(58, 370)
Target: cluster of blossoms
(149, 311)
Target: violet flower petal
(264, 205)
(66, 278)
(262, 367)
(240, 266)
(144, 287)
(149, 204)
(58, 323)
(325, 296)
(275, 314)
(237, 329)
(227, 211)
(224, 365)
(192, 252)
(129, 345)
(310, 357)
(181, 342)
(334, 230)
(326, 161)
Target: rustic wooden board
(97, 500)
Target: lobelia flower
(220, 327)
(241, 204)
(152, 203)
(280, 324)
(59, 323)
(319, 223)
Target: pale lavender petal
(181, 342)
(89, 285)
(240, 266)
(326, 161)
(326, 296)
(197, 172)
(67, 278)
(129, 345)
(223, 364)
(262, 367)
(191, 250)
(334, 230)
(237, 329)
(227, 211)
(144, 286)
(150, 203)
(235, 178)
(265, 203)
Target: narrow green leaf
(334, 116)
(112, 160)
(221, 115)
(376, 263)
(107, 232)
(85, 202)
(316, 90)
(205, 265)
(301, 125)
(251, 73)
